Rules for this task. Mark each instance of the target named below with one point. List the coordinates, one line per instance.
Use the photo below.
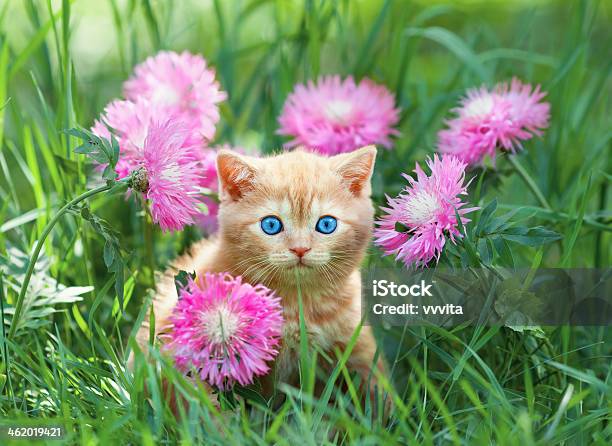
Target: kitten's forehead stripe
(300, 205)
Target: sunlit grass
(462, 386)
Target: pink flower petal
(226, 329)
(334, 115)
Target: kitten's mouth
(300, 265)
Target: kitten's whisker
(254, 266)
(263, 273)
(325, 270)
(333, 268)
(256, 259)
(269, 274)
(246, 268)
(330, 274)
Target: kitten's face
(296, 213)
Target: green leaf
(401, 227)
(118, 269)
(470, 255)
(485, 250)
(502, 222)
(485, 215)
(109, 173)
(504, 251)
(251, 395)
(115, 150)
(531, 236)
(534, 330)
(101, 150)
(181, 280)
(83, 149)
(109, 253)
(112, 249)
(78, 133)
(45, 294)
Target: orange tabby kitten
(294, 213)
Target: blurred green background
(62, 61)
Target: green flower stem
(39, 244)
(529, 182)
(592, 222)
(149, 246)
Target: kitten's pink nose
(299, 251)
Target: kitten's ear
(356, 168)
(236, 175)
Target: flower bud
(140, 180)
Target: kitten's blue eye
(271, 225)
(326, 225)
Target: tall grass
(60, 62)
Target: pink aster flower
(487, 120)
(130, 122)
(225, 329)
(169, 175)
(335, 115)
(180, 84)
(426, 210)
